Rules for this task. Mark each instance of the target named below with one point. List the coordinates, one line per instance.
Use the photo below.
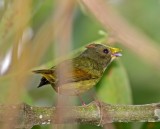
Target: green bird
(87, 69)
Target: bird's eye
(106, 51)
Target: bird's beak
(116, 52)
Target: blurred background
(35, 33)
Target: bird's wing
(77, 74)
(67, 75)
(74, 73)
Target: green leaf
(151, 125)
(123, 125)
(27, 98)
(114, 88)
(42, 127)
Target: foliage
(37, 49)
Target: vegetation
(37, 33)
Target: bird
(87, 70)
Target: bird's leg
(80, 98)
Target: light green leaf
(151, 125)
(114, 87)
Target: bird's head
(102, 53)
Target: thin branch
(97, 113)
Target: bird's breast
(76, 88)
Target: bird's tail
(47, 76)
(43, 71)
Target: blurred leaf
(114, 87)
(72, 54)
(123, 125)
(43, 10)
(152, 125)
(4, 85)
(26, 98)
(84, 29)
(42, 127)
(89, 126)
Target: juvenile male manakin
(87, 70)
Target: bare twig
(97, 113)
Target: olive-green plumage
(87, 69)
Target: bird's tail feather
(43, 71)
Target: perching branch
(97, 113)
